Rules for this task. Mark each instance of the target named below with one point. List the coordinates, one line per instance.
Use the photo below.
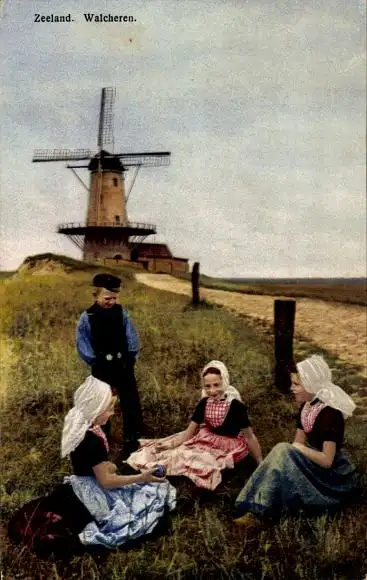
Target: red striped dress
(217, 445)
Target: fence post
(195, 282)
(284, 316)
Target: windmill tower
(107, 233)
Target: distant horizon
(236, 279)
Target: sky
(261, 103)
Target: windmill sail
(105, 127)
(153, 159)
(61, 154)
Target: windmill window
(115, 182)
(117, 219)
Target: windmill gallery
(108, 236)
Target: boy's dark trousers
(120, 375)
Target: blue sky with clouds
(261, 103)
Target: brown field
(350, 291)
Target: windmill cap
(107, 281)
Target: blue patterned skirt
(288, 481)
(121, 514)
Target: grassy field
(40, 370)
(349, 292)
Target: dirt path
(6, 360)
(339, 328)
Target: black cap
(107, 281)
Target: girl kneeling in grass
(218, 435)
(297, 476)
(95, 505)
(124, 507)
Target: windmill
(107, 233)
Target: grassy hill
(40, 370)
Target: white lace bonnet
(91, 399)
(229, 392)
(315, 376)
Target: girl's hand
(299, 446)
(148, 477)
(163, 446)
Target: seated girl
(313, 472)
(124, 507)
(109, 509)
(218, 435)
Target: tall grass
(42, 370)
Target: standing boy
(107, 341)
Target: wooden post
(284, 316)
(195, 282)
